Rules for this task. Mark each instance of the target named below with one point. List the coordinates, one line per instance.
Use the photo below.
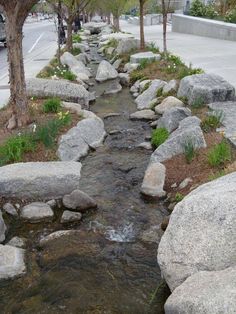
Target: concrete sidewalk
(212, 55)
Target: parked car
(2, 30)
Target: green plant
(186, 71)
(159, 136)
(14, 148)
(189, 150)
(231, 16)
(68, 75)
(198, 103)
(210, 11)
(76, 38)
(219, 154)
(52, 105)
(64, 118)
(144, 63)
(213, 121)
(152, 47)
(75, 51)
(217, 175)
(178, 197)
(197, 8)
(159, 92)
(136, 75)
(174, 59)
(146, 86)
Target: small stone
(79, 201)
(185, 183)
(17, 242)
(52, 203)
(174, 185)
(37, 212)
(143, 115)
(168, 103)
(154, 180)
(165, 223)
(135, 95)
(171, 207)
(145, 145)
(10, 209)
(69, 216)
(3, 228)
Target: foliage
(57, 71)
(217, 175)
(178, 197)
(174, 59)
(219, 154)
(198, 8)
(189, 150)
(230, 16)
(198, 103)
(136, 75)
(52, 105)
(159, 92)
(76, 38)
(14, 148)
(144, 63)
(159, 136)
(186, 71)
(75, 51)
(152, 47)
(212, 121)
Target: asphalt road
(39, 46)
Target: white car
(2, 30)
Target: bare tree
(165, 6)
(16, 11)
(141, 11)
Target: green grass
(52, 105)
(189, 150)
(220, 154)
(15, 147)
(159, 136)
(75, 51)
(198, 103)
(212, 121)
(137, 75)
(76, 38)
(60, 71)
(178, 197)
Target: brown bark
(142, 39)
(116, 23)
(164, 33)
(69, 41)
(16, 12)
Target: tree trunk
(164, 33)
(18, 99)
(142, 39)
(109, 18)
(69, 35)
(116, 23)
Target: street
(39, 46)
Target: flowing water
(109, 265)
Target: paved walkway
(212, 55)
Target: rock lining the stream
(106, 72)
(69, 216)
(154, 180)
(3, 228)
(37, 212)
(79, 201)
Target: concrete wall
(203, 27)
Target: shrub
(159, 136)
(189, 150)
(210, 11)
(76, 38)
(75, 51)
(68, 75)
(14, 148)
(136, 75)
(231, 16)
(178, 197)
(174, 59)
(213, 121)
(219, 154)
(152, 47)
(144, 63)
(197, 8)
(186, 71)
(159, 92)
(198, 103)
(52, 105)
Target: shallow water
(109, 265)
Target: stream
(109, 265)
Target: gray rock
(82, 46)
(201, 234)
(117, 64)
(228, 110)
(76, 142)
(74, 107)
(106, 72)
(129, 67)
(168, 103)
(69, 216)
(56, 235)
(58, 88)
(185, 183)
(139, 57)
(77, 67)
(189, 130)
(17, 242)
(143, 115)
(95, 27)
(127, 44)
(170, 87)
(124, 79)
(110, 50)
(39, 180)
(143, 101)
(3, 228)
(52, 203)
(205, 292)
(154, 180)
(113, 88)
(10, 209)
(12, 262)
(206, 88)
(145, 145)
(83, 57)
(143, 84)
(172, 117)
(37, 212)
(79, 201)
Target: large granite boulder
(201, 234)
(62, 89)
(76, 66)
(144, 100)
(141, 56)
(89, 133)
(171, 87)
(37, 212)
(228, 110)
(126, 45)
(11, 262)
(172, 117)
(154, 180)
(39, 180)
(106, 72)
(168, 103)
(189, 131)
(3, 228)
(210, 292)
(206, 88)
